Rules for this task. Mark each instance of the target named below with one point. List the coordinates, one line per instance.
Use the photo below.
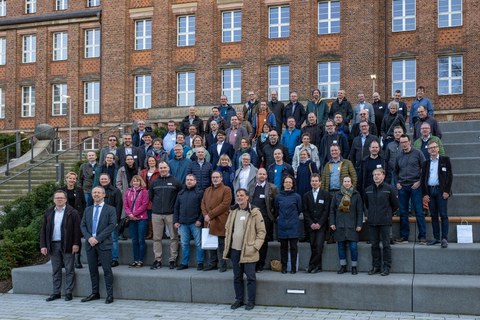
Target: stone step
(465, 183)
(454, 126)
(461, 137)
(464, 204)
(462, 165)
(462, 149)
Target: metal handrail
(28, 138)
(56, 156)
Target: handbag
(209, 241)
(464, 232)
(124, 221)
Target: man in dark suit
(436, 189)
(316, 204)
(128, 148)
(97, 225)
(220, 148)
(60, 237)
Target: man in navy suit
(97, 225)
(220, 148)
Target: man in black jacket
(316, 205)
(60, 237)
(381, 201)
(294, 109)
(192, 120)
(342, 105)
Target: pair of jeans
(187, 231)
(88, 199)
(404, 195)
(438, 207)
(342, 252)
(238, 270)
(137, 230)
(115, 246)
(377, 234)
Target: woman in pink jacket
(135, 204)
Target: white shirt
(57, 224)
(219, 147)
(243, 177)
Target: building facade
(117, 61)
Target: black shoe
(250, 306)
(114, 263)
(284, 270)
(293, 271)
(182, 267)
(444, 243)
(68, 297)
(78, 263)
(316, 270)
(210, 268)
(156, 265)
(433, 242)
(237, 304)
(385, 272)
(392, 242)
(342, 270)
(53, 297)
(422, 241)
(374, 271)
(354, 271)
(401, 240)
(259, 269)
(123, 238)
(109, 299)
(171, 265)
(93, 296)
(200, 267)
(223, 269)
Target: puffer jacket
(288, 205)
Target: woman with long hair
(149, 174)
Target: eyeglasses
(112, 139)
(433, 147)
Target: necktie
(95, 219)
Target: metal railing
(59, 166)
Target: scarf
(130, 172)
(344, 205)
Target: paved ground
(23, 306)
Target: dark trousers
(58, 257)
(95, 254)
(317, 239)
(377, 234)
(268, 237)
(284, 252)
(215, 257)
(238, 270)
(438, 207)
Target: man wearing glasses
(110, 148)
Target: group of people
(341, 168)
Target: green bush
(6, 139)
(20, 246)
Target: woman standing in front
(346, 218)
(288, 205)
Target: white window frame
(403, 17)
(184, 38)
(233, 32)
(330, 22)
(449, 14)
(90, 144)
(143, 92)
(92, 43)
(330, 81)
(60, 46)
(401, 81)
(91, 97)
(2, 103)
(30, 6)
(3, 8)
(187, 95)
(280, 26)
(29, 52)
(61, 5)
(93, 3)
(59, 102)
(279, 84)
(450, 77)
(3, 51)
(143, 34)
(28, 101)
(232, 84)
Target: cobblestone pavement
(23, 306)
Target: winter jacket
(288, 205)
(188, 206)
(216, 203)
(346, 222)
(381, 202)
(139, 208)
(163, 193)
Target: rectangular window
(143, 34)
(143, 92)
(279, 80)
(403, 15)
(279, 22)
(91, 144)
(93, 3)
(2, 103)
(328, 17)
(404, 75)
(3, 8)
(28, 101)
(231, 26)
(185, 89)
(61, 5)
(449, 13)
(232, 84)
(59, 102)
(92, 43)
(30, 6)
(3, 51)
(450, 75)
(91, 97)
(329, 78)
(60, 46)
(186, 31)
(29, 49)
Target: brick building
(116, 61)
